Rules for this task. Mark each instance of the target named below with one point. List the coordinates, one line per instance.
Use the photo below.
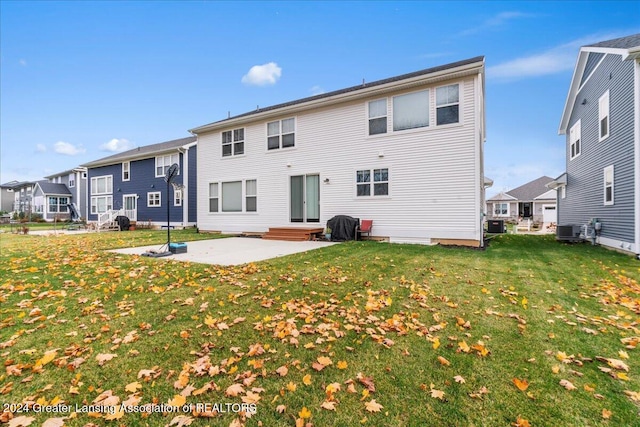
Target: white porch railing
(106, 220)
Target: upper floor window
(164, 162)
(72, 181)
(575, 136)
(233, 142)
(102, 184)
(126, 171)
(411, 110)
(603, 115)
(374, 182)
(448, 104)
(608, 185)
(281, 134)
(378, 116)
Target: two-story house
(601, 121)
(17, 197)
(62, 194)
(405, 152)
(132, 184)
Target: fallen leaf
(443, 361)
(178, 400)
(304, 413)
(521, 422)
(567, 384)
(306, 380)
(342, 364)
(328, 405)
(606, 414)
(437, 394)
(21, 421)
(373, 406)
(282, 370)
(459, 379)
(281, 409)
(521, 384)
(54, 422)
(234, 390)
(133, 387)
(102, 358)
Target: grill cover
(343, 228)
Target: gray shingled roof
(17, 184)
(531, 190)
(51, 188)
(140, 152)
(627, 42)
(352, 89)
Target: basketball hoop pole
(168, 213)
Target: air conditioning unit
(495, 226)
(568, 233)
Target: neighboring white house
(532, 200)
(406, 152)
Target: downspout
(636, 136)
(185, 183)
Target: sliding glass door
(305, 198)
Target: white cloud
(116, 145)
(261, 75)
(554, 60)
(68, 149)
(496, 21)
(41, 148)
(316, 90)
(23, 62)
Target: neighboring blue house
(132, 184)
(601, 121)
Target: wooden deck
(293, 234)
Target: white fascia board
(573, 91)
(365, 92)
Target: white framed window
(233, 196)
(164, 162)
(233, 142)
(214, 198)
(72, 180)
(377, 116)
(448, 104)
(126, 171)
(563, 192)
(411, 110)
(372, 182)
(251, 195)
(501, 209)
(281, 134)
(57, 204)
(102, 185)
(575, 137)
(154, 199)
(101, 204)
(177, 197)
(608, 185)
(603, 116)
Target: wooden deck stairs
(293, 234)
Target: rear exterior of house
(76, 182)
(132, 184)
(405, 152)
(601, 121)
(51, 200)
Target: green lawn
(527, 332)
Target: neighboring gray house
(7, 196)
(17, 197)
(76, 182)
(51, 200)
(532, 200)
(601, 121)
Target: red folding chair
(364, 228)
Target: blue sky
(83, 80)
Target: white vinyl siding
(608, 185)
(434, 172)
(575, 140)
(603, 116)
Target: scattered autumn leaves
(266, 340)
